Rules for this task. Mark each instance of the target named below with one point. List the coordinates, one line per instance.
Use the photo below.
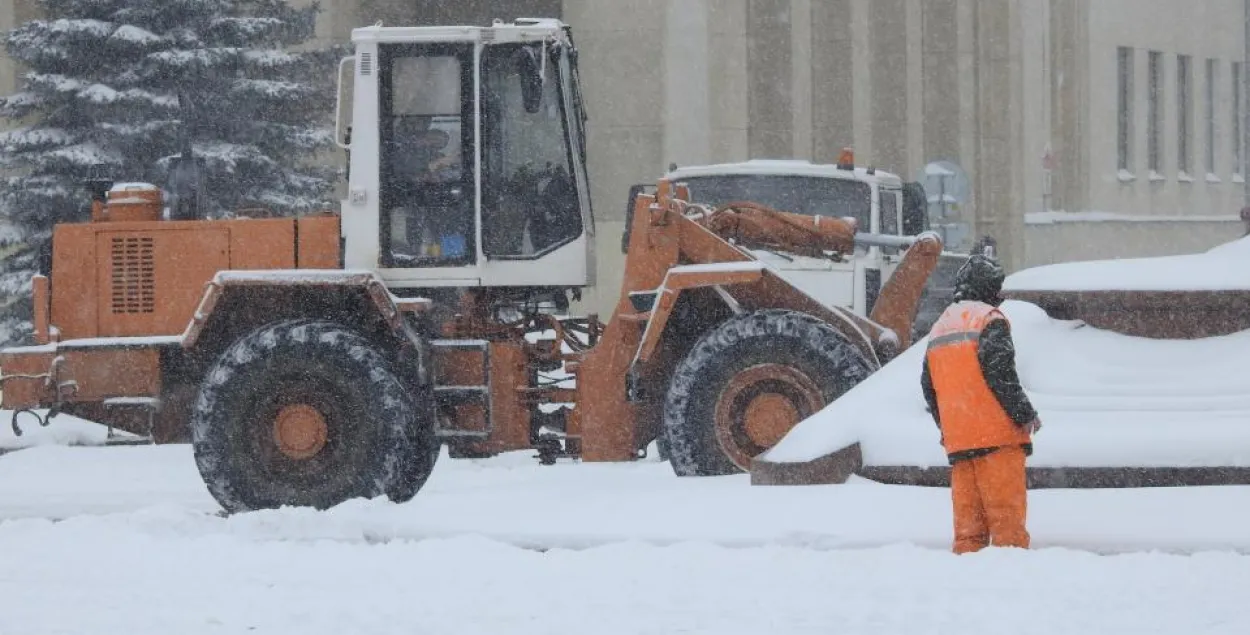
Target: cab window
(815, 196)
(529, 198)
(889, 211)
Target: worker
(430, 227)
(984, 417)
(419, 153)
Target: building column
(966, 79)
(834, 86)
(945, 81)
(728, 81)
(863, 110)
(801, 72)
(887, 55)
(915, 90)
(687, 121)
(770, 98)
(996, 179)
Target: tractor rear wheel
(308, 413)
(747, 382)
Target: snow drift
(1221, 268)
(1106, 400)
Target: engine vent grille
(134, 277)
(366, 64)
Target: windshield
(814, 196)
(529, 198)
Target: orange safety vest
(970, 414)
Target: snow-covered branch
(115, 86)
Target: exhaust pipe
(898, 242)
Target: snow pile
(1222, 268)
(64, 430)
(1105, 400)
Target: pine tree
(115, 87)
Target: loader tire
(747, 382)
(308, 413)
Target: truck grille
(134, 284)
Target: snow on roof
(720, 267)
(784, 167)
(1104, 399)
(522, 30)
(936, 169)
(1223, 268)
(123, 342)
(324, 276)
(135, 185)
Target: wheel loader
(316, 359)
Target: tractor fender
(683, 278)
(860, 332)
(237, 302)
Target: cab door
(891, 206)
(535, 202)
(427, 196)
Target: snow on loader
(316, 359)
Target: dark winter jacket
(997, 354)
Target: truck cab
(880, 202)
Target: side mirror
(634, 191)
(529, 70)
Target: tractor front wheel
(308, 413)
(748, 382)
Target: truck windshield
(814, 196)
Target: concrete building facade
(1066, 129)
(1146, 110)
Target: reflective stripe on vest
(970, 414)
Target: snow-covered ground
(62, 430)
(126, 540)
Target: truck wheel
(747, 382)
(307, 413)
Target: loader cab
(467, 157)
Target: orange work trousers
(990, 500)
